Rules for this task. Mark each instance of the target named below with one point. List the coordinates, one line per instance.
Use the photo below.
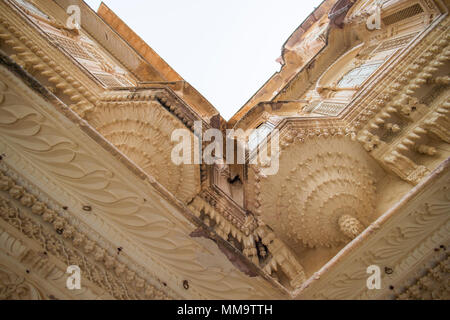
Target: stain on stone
(232, 254)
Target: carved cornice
(395, 128)
(396, 82)
(155, 92)
(257, 242)
(431, 282)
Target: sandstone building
(362, 105)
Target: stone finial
(350, 226)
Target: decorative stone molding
(38, 56)
(431, 284)
(282, 258)
(223, 226)
(382, 118)
(390, 96)
(15, 287)
(55, 245)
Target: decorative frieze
(55, 243)
(431, 284)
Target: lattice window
(358, 75)
(403, 14)
(110, 80)
(125, 82)
(72, 47)
(395, 43)
(84, 52)
(31, 8)
(93, 52)
(329, 109)
(259, 134)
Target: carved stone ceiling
(142, 131)
(319, 181)
(409, 243)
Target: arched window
(358, 75)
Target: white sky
(226, 49)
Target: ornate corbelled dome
(322, 193)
